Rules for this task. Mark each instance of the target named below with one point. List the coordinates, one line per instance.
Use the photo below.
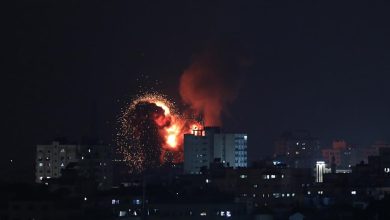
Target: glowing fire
(171, 125)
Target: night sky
(73, 65)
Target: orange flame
(172, 126)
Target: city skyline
(302, 66)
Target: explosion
(152, 132)
(212, 82)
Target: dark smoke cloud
(146, 133)
(212, 81)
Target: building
(341, 155)
(231, 149)
(52, 158)
(320, 170)
(298, 149)
(203, 147)
(94, 160)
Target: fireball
(152, 132)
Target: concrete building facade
(202, 148)
(94, 160)
(52, 158)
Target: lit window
(207, 180)
(228, 214)
(320, 192)
(122, 213)
(203, 214)
(40, 164)
(136, 202)
(89, 150)
(85, 199)
(308, 193)
(273, 176)
(353, 192)
(40, 178)
(222, 213)
(62, 150)
(243, 176)
(387, 170)
(255, 186)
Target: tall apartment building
(203, 147)
(52, 158)
(298, 149)
(94, 161)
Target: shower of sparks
(151, 132)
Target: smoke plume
(211, 82)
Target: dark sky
(322, 66)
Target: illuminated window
(308, 193)
(115, 202)
(136, 202)
(228, 214)
(122, 213)
(353, 192)
(387, 170)
(320, 192)
(40, 164)
(243, 176)
(203, 214)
